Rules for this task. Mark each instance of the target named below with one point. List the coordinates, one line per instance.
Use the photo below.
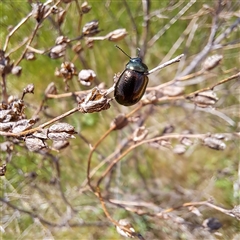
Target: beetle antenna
(122, 51)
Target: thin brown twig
(170, 136)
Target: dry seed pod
(86, 77)
(117, 35)
(34, 144)
(90, 28)
(59, 136)
(119, 122)
(23, 125)
(59, 145)
(38, 11)
(6, 126)
(68, 70)
(85, 8)
(17, 70)
(29, 56)
(214, 143)
(179, 149)
(211, 62)
(3, 169)
(61, 127)
(205, 99)
(61, 16)
(58, 51)
(29, 89)
(6, 146)
(62, 39)
(95, 101)
(42, 134)
(51, 89)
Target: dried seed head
(214, 143)
(34, 144)
(117, 35)
(61, 132)
(86, 77)
(95, 101)
(42, 134)
(38, 11)
(61, 16)
(119, 122)
(58, 51)
(139, 134)
(62, 127)
(3, 169)
(179, 149)
(59, 145)
(29, 56)
(129, 232)
(90, 28)
(29, 89)
(59, 136)
(205, 99)
(6, 146)
(67, 70)
(62, 39)
(17, 70)
(7, 126)
(85, 8)
(23, 125)
(211, 62)
(51, 89)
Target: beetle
(132, 83)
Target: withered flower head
(95, 101)
(90, 28)
(212, 62)
(68, 70)
(117, 35)
(86, 77)
(85, 7)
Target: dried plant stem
(98, 194)
(4, 88)
(91, 153)
(201, 203)
(174, 60)
(237, 75)
(15, 29)
(170, 23)
(165, 137)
